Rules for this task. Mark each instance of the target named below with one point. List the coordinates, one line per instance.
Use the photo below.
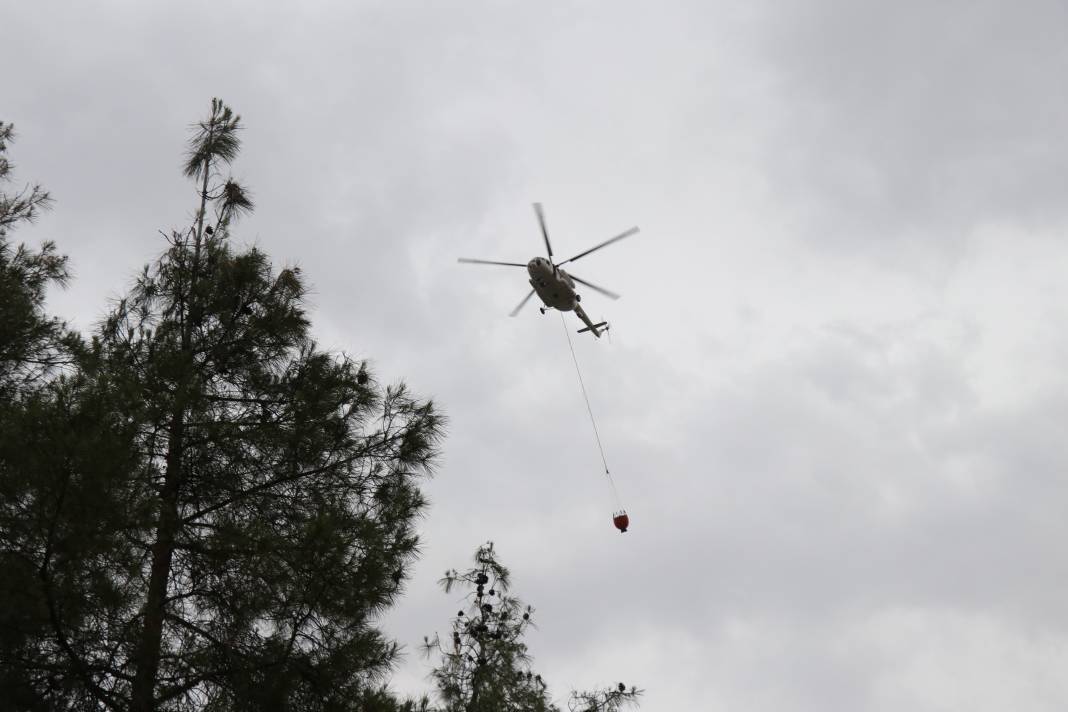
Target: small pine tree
(484, 666)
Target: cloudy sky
(834, 396)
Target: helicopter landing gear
(541, 309)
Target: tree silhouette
(484, 664)
(211, 512)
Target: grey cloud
(832, 400)
(918, 122)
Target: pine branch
(215, 139)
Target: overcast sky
(835, 393)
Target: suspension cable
(593, 422)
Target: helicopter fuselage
(553, 286)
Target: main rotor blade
(606, 243)
(525, 300)
(470, 261)
(544, 231)
(594, 287)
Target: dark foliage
(210, 512)
(484, 665)
(32, 344)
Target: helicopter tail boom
(594, 327)
(590, 326)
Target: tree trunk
(148, 649)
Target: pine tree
(32, 346)
(251, 510)
(31, 343)
(484, 666)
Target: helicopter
(554, 286)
